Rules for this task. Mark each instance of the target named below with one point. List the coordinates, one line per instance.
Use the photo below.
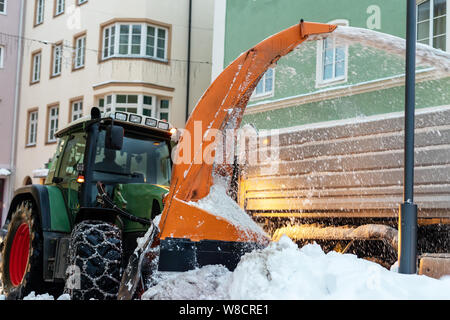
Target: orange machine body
(221, 107)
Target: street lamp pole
(408, 210)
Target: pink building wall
(9, 40)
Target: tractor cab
(128, 153)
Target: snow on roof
(40, 173)
(4, 172)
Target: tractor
(111, 176)
(66, 225)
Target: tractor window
(141, 160)
(73, 155)
(54, 162)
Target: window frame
(265, 94)
(5, 7)
(430, 21)
(72, 103)
(56, 63)
(163, 110)
(320, 81)
(33, 66)
(2, 56)
(110, 45)
(39, 19)
(76, 38)
(56, 4)
(30, 122)
(50, 118)
(81, 2)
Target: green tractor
(75, 233)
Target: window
(109, 36)
(3, 6)
(144, 104)
(57, 60)
(137, 40)
(59, 7)
(130, 39)
(147, 108)
(32, 128)
(163, 112)
(2, 54)
(80, 2)
(432, 24)
(331, 60)
(77, 110)
(52, 123)
(156, 42)
(80, 52)
(36, 67)
(265, 86)
(39, 12)
(106, 103)
(127, 103)
(73, 156)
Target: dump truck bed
(352, 168)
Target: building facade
(10, 48)
(330, 80)
(116, 55)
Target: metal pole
(188, 72)
(408, 210)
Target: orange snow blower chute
(189, 236)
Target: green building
(328, 80)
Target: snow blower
(188, 236)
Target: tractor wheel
(95, 258)
(22, 254)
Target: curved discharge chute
(221, 107)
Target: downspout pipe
(188, 80)
(12, 177)
(408, 210)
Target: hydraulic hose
(109, 203)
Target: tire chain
(95, 251)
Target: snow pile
(46, 296)
(220, 204)
(207, 283)
(283, 271)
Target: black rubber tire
(25, 212)
(95, 261)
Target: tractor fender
(55, 223)
(50, 204)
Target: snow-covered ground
(284, 271)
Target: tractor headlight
(163, 125)
(151, 122)
(121, 116)
(135, 118)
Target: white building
(117, 55)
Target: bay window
(143, 104)
(135, 40)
